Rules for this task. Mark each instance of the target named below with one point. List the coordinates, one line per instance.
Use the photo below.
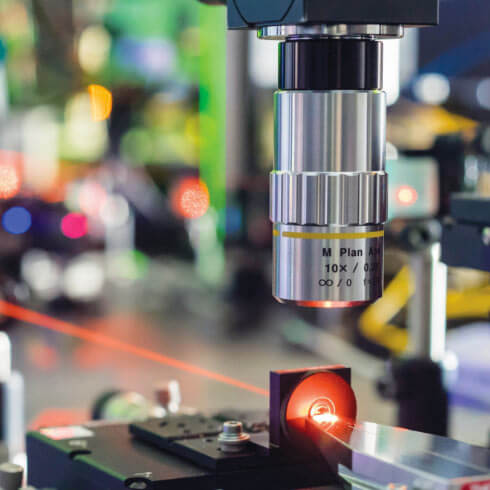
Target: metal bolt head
(233, 427)
(233, 439)
(138, 481)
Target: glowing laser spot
(325, 418)
(101, 102)
(44, 321)
(309, 398)
(323, 412)
(406, 195)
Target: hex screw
(233, 439)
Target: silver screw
(233, 439)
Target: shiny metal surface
(379, 455)
(334, 131)
(427, 308)
(233, 439)
(327, 266)
(329, 190)
(320, 198)
(331, 30)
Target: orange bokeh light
(9, 181)
(10, 174)
(190, 199)
(101, 102)
(406, 195)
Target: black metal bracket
(253, 14)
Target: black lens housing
(330, 64)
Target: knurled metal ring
(325, 198)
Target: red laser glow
(40, 320)
(331, 304)
(336, 394)
(325, 419)
(322, 411)
(406, 195)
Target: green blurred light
(212, 126)
(130, 265)
(212, 106)
(137, 146)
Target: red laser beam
(44, 321)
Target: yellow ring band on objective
(330, 236)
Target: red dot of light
(406, 195)
(74, 225)
(190, 199)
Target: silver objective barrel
(329, 197)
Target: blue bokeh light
(16, 220)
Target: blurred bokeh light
(406, 195)
(17, 220)
(74, 225)
(190, 198)
(10, 174)
(101, 102)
